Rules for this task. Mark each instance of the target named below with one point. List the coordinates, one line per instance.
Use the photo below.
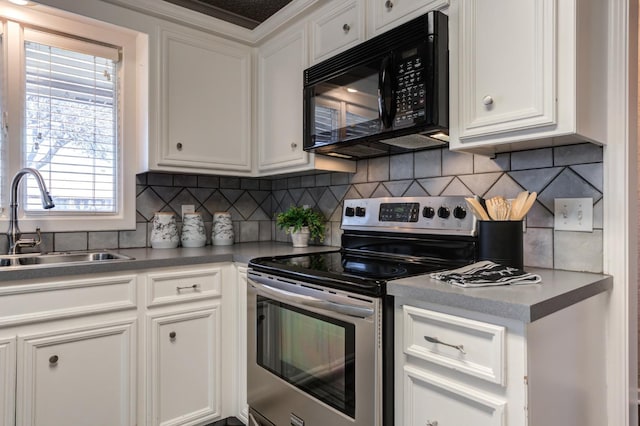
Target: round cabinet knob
(53, 360)
(487, 100)
(172, 335)
(459, 212)
(294, 145)
(346, 28)
(388, 4)
(179, 146)
(428, 212)
(443, 212)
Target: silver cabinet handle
(439, 342)
(346, 28)
(179, 146)
(432, 423)
(388, 4)
(194, 287)
(53, 360)
(487, 100)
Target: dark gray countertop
(147, 258)
(527, 303)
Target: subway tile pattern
(566, 172)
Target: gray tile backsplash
(567, 171)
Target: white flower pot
(301, 237)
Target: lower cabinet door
(7, 381)
(183, 367)
(431, 400)
(81, 377)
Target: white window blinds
(71, 132)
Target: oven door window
(313, 352)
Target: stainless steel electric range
(320, 325)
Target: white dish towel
(486, 273)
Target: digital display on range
(399, 212)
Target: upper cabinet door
(335, 29)
(506, 65)
(281, 62)
(205, 103)
(526, 74)
(386, 14)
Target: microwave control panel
(410, 91)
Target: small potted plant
(302, 223)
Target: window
(70, 128)
(71, 99)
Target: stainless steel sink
(54, 259)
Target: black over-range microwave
(387, 95)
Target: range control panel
(424, 215)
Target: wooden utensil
(498, 208)
(531, 198)
(517, 204)
(477, 209)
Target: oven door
(313, 356)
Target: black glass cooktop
(345, 271)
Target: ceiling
(246, 13)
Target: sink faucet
(15, 242)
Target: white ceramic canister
(193, 233)
(164, 231)
(222, 234)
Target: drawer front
(434, 401)
(42, 301)
(181, 286)
(471, 347)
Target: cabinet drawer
(41, 301)
(433, 400)
(336, 30)
(181, 286)
(471, 347)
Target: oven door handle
(341, 308)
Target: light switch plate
(573, 214)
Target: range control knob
(443, 212)
(459, 212)
(428, 212)
(349, 211)
(360, 211)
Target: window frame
(13, 20)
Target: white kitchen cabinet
(184, 367)
(78, 376)
(183, 343)
(68, 351)
(204, 99)
(335, 28)
(458, 367)
(7, 381)
(387, 14)
(281, 62)
(526, 74)
(242, 411)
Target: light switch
(573, 214)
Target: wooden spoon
(477, 209)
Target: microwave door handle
(341, 308)
(386, 92)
